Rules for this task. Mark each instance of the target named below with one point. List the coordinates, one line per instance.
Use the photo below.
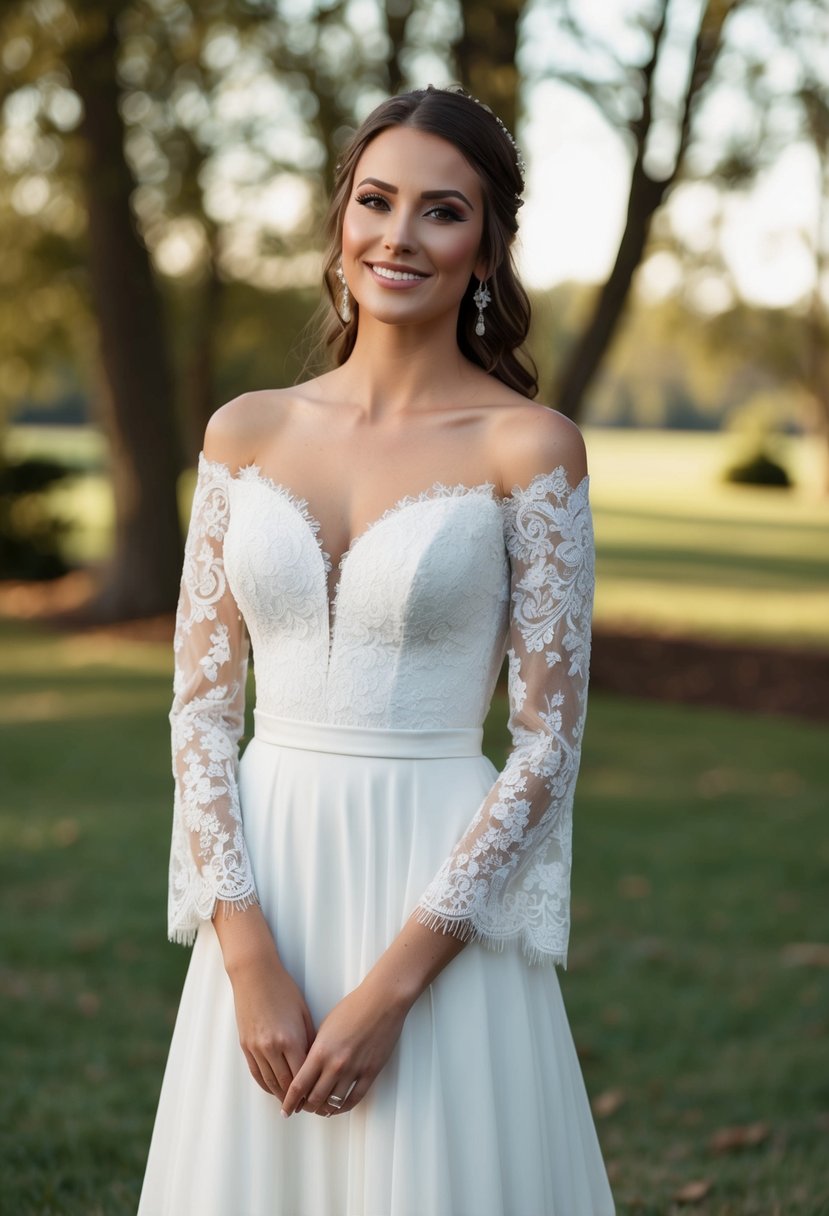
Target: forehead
(407, 158)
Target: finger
(303, 1082)
(358, 1091)
(329, 1083)
(269, 1075)
(295, 1057)
(342, 1089)
(282, 1071)
(255, 1073)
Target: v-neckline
(437, 491)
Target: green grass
(678, 550)
(701, 854)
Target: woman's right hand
(275, 1025)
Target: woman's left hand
(352, 1044)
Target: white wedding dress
(364, 797)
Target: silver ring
(335, 1101)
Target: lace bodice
(411, 633)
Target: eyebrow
(427, 194)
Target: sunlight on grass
(678, 550)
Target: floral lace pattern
(208, 859)
(509, 876)
(429, 598)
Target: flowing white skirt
(480, 1111)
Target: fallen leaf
(607, 1103)
(634, 886)
(806, 954)
(89, 1003)
(727, 1139)
(692, 1192)
(66, 832)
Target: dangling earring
(482, 297)
(345, 311)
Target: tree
(485, 53)
(146, 137)
(137, 392)
(778, 64)
(657, 119)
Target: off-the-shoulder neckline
(252, 474)
(438, 488)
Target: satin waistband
(367, 740)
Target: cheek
(459, 247)
(357, 228)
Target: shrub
(759, 469)
(30, 532)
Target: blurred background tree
(166, 165)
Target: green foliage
(31, 535)
(701, 856)
(759, 469)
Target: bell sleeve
(508, 877)
(208, 857)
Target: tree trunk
(398, 13)
(200, 388)
(817, 359)
(586, 355)
(646, 196)
(143, 575)
(485, 55)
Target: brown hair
(477, 134)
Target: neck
(396, 370)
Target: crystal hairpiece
(519, 159)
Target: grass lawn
(701, 861)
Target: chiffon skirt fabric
(481, 1109)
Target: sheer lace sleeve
(208, 859)
(509, 875)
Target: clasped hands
(287, 1057)
(303, 1067)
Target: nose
(399, 236)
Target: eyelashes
(365, 199)
(443, 212)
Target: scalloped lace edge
(438, 489)
(466, 930)
(186, 928)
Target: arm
(210, 871)
(508, 878)
(209, 863)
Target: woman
(376, 911)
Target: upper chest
(422, 563)
(347, 476)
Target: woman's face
(412, 228)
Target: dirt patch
(760, 679)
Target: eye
(445, 214)
(369, 200)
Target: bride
(371, 1023)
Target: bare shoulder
(532, 439)
(237, 431)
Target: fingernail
(284, 1114)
